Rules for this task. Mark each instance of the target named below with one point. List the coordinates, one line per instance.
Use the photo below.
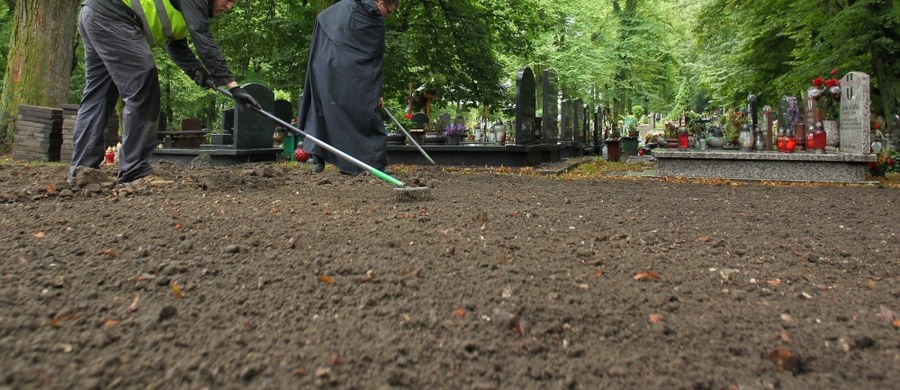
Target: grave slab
(763, 165)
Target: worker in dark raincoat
(342, 99)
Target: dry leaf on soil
(459, 313)
(654, 318)
(326, 279)
(649, 275)
(38, 234)
(176, 289)
(109, 253)
(134, 304)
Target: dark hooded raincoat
(343, 84)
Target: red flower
(409, 116)
(818, 81)
(889, 161)
(831, 83)
(834, 71)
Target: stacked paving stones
(70, 115)
(70, 112)
(38, 134)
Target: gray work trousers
(117, 61)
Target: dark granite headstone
(228, 121)
(550, 99)
(420, 119)
(577, 120)
(565, 120)
(525, 107)
(586, 123)
(251, 129)
(284, 110)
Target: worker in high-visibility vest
(117, 36)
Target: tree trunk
(39, 61)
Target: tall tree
(39, 60)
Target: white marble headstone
(856, 103)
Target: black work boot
(318, 165)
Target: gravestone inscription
(856, 102)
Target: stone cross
(525, 107)
(550, 107)
(856, 102)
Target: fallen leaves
(460, 312)
(655, 318)
(647, 275)
(176, 289)
(134, 304)
(56, 322)
(704, 239)
(38, 234)
(326, 279)
(774, 282)
(109, 253)
(786, 360)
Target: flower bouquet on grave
(827, 95)
(455, 132)
(885, 161)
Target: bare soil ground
(266, 276)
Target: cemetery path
(270, 277)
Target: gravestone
(565, 120)
(856, 102)
(251, 129)
(284, 110)
(443, 121)
(596, 129)
(191, 124)
(525, 107)
(578, 120)
(586, 122)
(460, 120)
(228, 121)
(550, 99)
(420, 120)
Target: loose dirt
(266, 276)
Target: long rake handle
(374, 171)
(411, 139)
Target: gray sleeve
(197, 14)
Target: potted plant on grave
(454, 132)
(734, 120)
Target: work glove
(201, 77)
(241, 96)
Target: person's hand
(201, 77)
(240, 95)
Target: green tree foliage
(776, 47)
